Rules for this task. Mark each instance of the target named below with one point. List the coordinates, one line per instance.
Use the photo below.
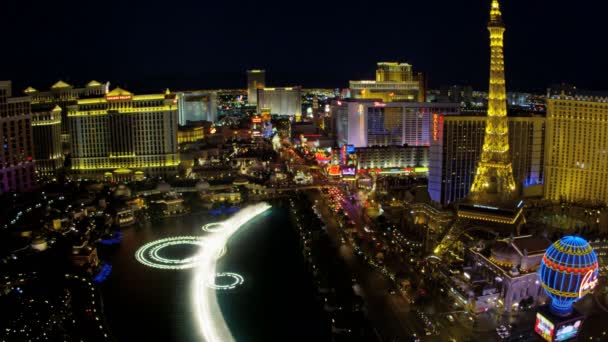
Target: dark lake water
(275, 303)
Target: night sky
(209, 44)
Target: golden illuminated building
(283, 101)
(577, 149)
(494, 180)
(394, 72)
(187, 134)
(394, 82)
(63, 95)
(256, 79)
(48, 153)
(123, 134)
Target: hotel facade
(366, 123)
(577, 149)
(456, 148)
(16, 156)
(394, 82)
(62, 94)
(48, 151)
(124, 136)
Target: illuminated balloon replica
(568, 271)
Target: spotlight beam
(211, 324)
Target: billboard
(334, 170)
(544, 327)
(568, 331)
(348, 171)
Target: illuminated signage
(437, 122)
(484, 207)
(435, 128)
(256, 120)
(334, 170)
(421, 169)
(544, 327)
(118, 97)
(589, 282)
(568, 331)
(348, 171)
(379, 104)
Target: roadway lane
(389, 313)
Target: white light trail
(211, 323)
(237, 280)
(150, 253)
(214, 227)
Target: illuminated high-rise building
(197, 106)
(16, 156)
(256, 79)
(123, 135)
(577, 149)
(456, 148)
(394, 72)
(63, 95)
(285, 101)
(48, 152)
(366, 123)
(394, 82)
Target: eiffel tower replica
(493, 202)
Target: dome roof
(201, 185)
(240, 181)
(568, 271)
(504, 255)
(163, 187)
(38, 240)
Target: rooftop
(531, 244)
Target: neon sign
(334, 170)
(589, 283)
(118, 97)
(348, 171)
(360, 109)
(437, 121)
(256, 120)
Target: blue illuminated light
(568, 271)
(484, 207)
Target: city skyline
(317, 45)
(193, 172)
